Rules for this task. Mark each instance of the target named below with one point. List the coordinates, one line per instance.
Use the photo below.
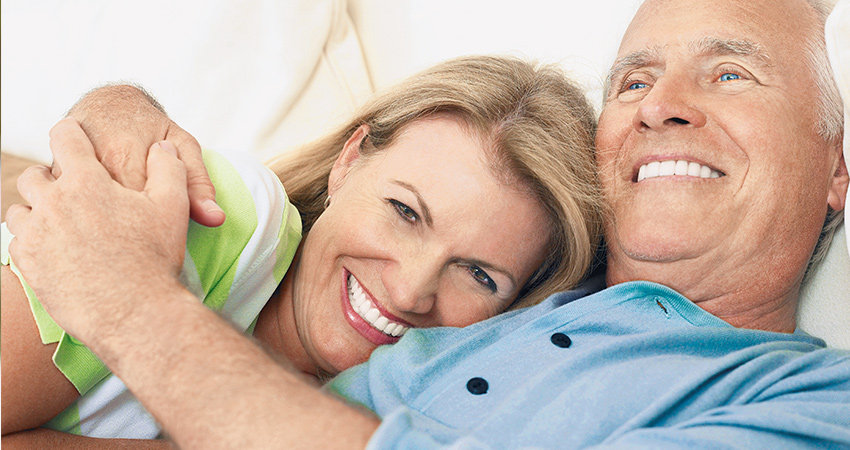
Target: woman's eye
(481, 277)
(728, 76)
(407, 213)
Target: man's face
(708, 149)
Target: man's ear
(345, 161)
(838, 188)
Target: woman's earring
(327, 201)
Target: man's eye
(481, 277)
(730, 77)
(635, 86)
(407, 213)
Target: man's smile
(669, 168)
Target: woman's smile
(367, 315)
(421, 250)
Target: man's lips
(680, 167)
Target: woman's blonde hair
(534, 120)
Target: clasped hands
(88, 245)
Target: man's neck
(756, 303)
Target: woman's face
(419, 235)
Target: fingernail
(211, 206)
(169, 147)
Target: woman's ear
(345, 161)
(838, 188)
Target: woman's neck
(277, 329)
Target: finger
(71, 148)
(203, 207)
(55, 170)
(33, 181)
(206, 212)
(166, 176)
(16, 217)
(124, 159)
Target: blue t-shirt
(632, 366)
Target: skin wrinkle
(738, 47)
(704, 47)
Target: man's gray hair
(830, 115)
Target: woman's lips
(367, 316)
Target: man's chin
(657, 245)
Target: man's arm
(206, 383)
(213, 388)
(122, 122)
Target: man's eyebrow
(706, 46)
(426, 213)
(628, 62)
(734, 47)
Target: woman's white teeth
(671, 168)
(363, 307)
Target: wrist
(121, 325)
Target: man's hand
(104, 261)
(122, 123)
(87, 244)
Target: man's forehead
(657, 7)
(754, 29)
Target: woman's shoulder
(259, 236)
(250, 194)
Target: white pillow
(229, 71)
(402, 37)
(838, 46)
(824, 308)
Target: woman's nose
(412, 282)
(669, 105)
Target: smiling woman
(408, 240)
(459, 192)
(466, 190)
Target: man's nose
(670, 104)
(412, 282)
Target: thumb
(166, 183)
(203, 208)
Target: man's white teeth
(671, 168)
(363, 307)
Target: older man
(719, 176)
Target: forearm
(43, 438)
(211, 387)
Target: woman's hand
(88, 244)
(122, 123)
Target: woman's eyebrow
(426, 213)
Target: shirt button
(477, 386)
(561, 340)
